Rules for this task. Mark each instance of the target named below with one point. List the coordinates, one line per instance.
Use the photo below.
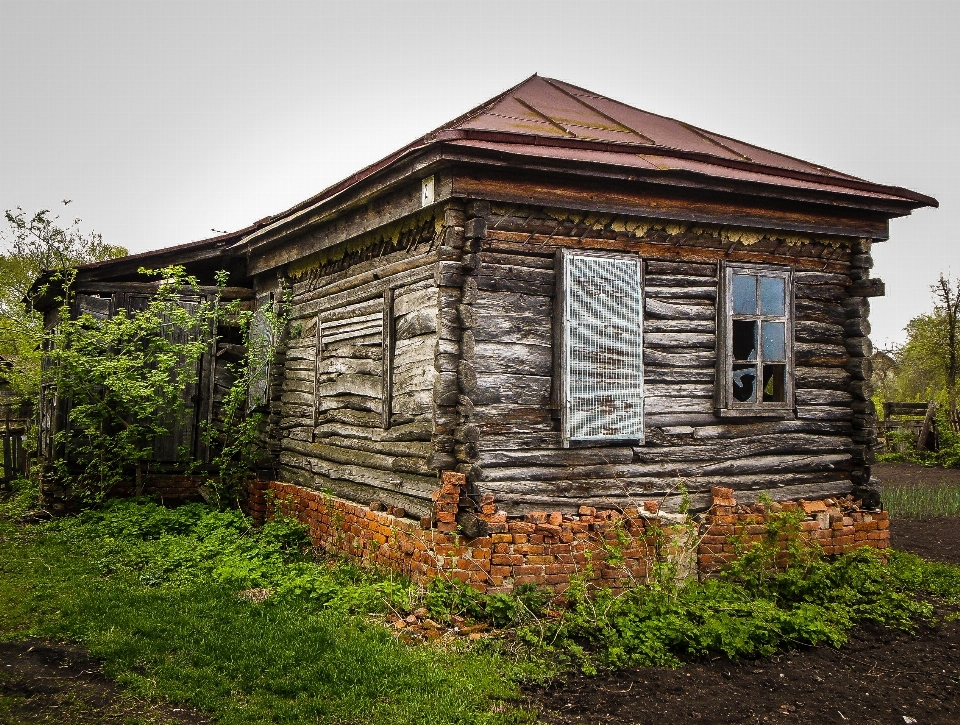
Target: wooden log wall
(358, 375)
(512, 448)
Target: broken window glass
(744, 383)
(744, 339)
(774, 383)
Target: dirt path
(43, 683)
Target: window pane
(744, 294)
(745, 383)
(745, 339)
(774, 345)
(774, 383)
(772, 299)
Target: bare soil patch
(44, 682)
(913, 474)
(880, 677)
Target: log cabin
(569, 301)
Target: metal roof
(543, 118)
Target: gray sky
(164, 120)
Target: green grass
(920, 502)
(154, 593)
(192, 640)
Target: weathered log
(823, 412)
(414, 324)
(521, 390)
(859, 368)
(372, 351)
(831, 312)
(414, 403)
(823, 397)
(857, 327)
(859, 346)
(678, 390)
(678, 280)
(808, 331)
(656, 325)
(856, 307)
(556, 457)
(653, 374)
(353, 280)
(822, 292)
(351, 490)
(364, 292)
(518, 441)
(867, 288)
(665, 310)
(668, 404)
(822, 378)
(406, 301)
(350, 417)
(487, 283)
(770, 464)
(655, 267)
(680, 339)
(369, 468)
(525, 328)
(744, 431)
(683, 359)
(802, 277)
(523, 260)
(694, 293)
(513, 358)
(513, 418)
(513, 303)
(728, 448)
(819, 355)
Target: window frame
(726, 405)
(561, 339)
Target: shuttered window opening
(350, 359)
(755, 375)
(602, 362)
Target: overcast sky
(165, 120)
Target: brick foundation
(612, 548)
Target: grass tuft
(922, 502)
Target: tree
(926, 366)
(946, 308)
(29, 246)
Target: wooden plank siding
(358, 379)
(521, 460)
(436, 352)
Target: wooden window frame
(725, 404)
(560, 397)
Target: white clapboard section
(604, 348)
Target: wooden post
(924, 442)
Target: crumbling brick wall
(612, 548)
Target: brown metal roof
(546, 118)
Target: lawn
(163, 598)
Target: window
(755, 364)
(599, 342)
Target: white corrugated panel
(604, 348)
